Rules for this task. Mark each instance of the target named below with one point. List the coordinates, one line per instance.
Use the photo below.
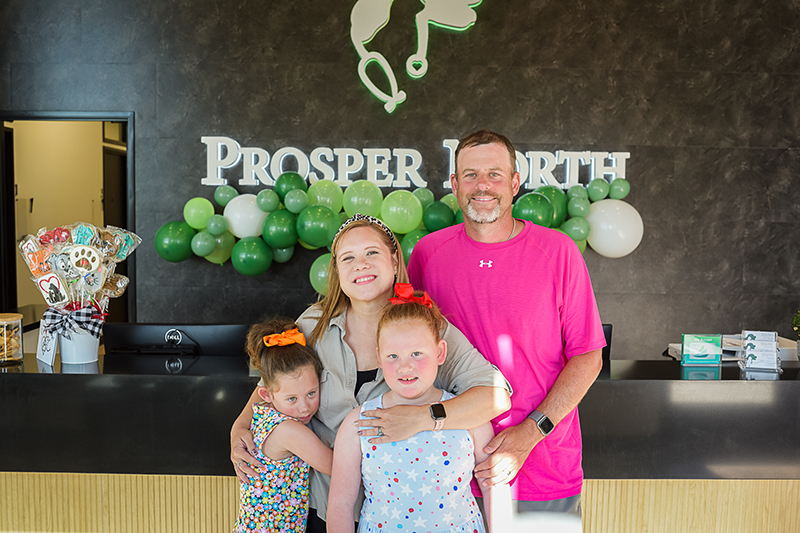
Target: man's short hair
(487, 137)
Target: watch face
(437, 411)
(546, 425)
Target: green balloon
(296, 200)
(222, 249)
(318, 273)
(581, 245)
(559, 201)
(217, 225)
(451, 200)
(251, 256)
(327, 193)
(279, 229)
(306, 245)
(577, 191)
(343, 217)
(317, 225)
(173, 241)
(577, 228)
(578, 207)
(619, 189)
(597, 189)
(364, 197)
(534, 207)
(282, 255)
(196, 212)
(438, 215)
(410, 241)
(425, 196)
(401, 211)
(203, 243)
(459, 217)
(289, 181)
(268, 200)
(224, 194)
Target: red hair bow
(405, 295)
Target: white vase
(80, 349)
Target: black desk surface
(639, 420)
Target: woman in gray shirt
(366, 262)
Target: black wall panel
(705, 96)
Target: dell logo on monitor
(173, 336)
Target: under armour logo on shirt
(485, 263)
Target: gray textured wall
(705, 96)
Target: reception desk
(96, 452)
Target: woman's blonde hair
(275, 361)
(335, 302)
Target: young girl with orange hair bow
(278, 499)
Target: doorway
(61, 168)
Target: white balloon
(244, 217)
(617, 228)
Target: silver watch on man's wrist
(544, 424)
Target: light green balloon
(296, 200)
(327, 193)
(203, 243)
(401, 211)
(597, 189)
(425, 196)
(364, 197)
(222, 248)
(577, 191)
(318, 273)
(451, 200)
(619, 189)
(197, 211)
(268, 200)
(578, 207)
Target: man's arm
(511, 447)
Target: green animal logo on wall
(368, 17)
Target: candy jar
(10, 338)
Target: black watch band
(544, 423)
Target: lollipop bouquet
(73, 267)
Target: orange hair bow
(405, 295)
(292, 336)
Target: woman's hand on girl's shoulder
(293, 437)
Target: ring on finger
(380, 431)
(237, 464)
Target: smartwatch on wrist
(438, 414)
(544, 424)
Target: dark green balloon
(173, 241)
(412, 238)
(281, 255)
(289, 181)
(203, 243)
(438, 215)
(279, 229)
(558, 198)
(317, 225)
(251, 256)
(459, 217)
(534, 207)
(224, 194)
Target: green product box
(701, 350)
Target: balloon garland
(255, 230)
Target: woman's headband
(372, 220)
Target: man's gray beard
(487, 218)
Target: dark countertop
(639, 420)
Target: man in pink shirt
(522, 295)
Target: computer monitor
(185, 349)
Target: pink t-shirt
(528, 306)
